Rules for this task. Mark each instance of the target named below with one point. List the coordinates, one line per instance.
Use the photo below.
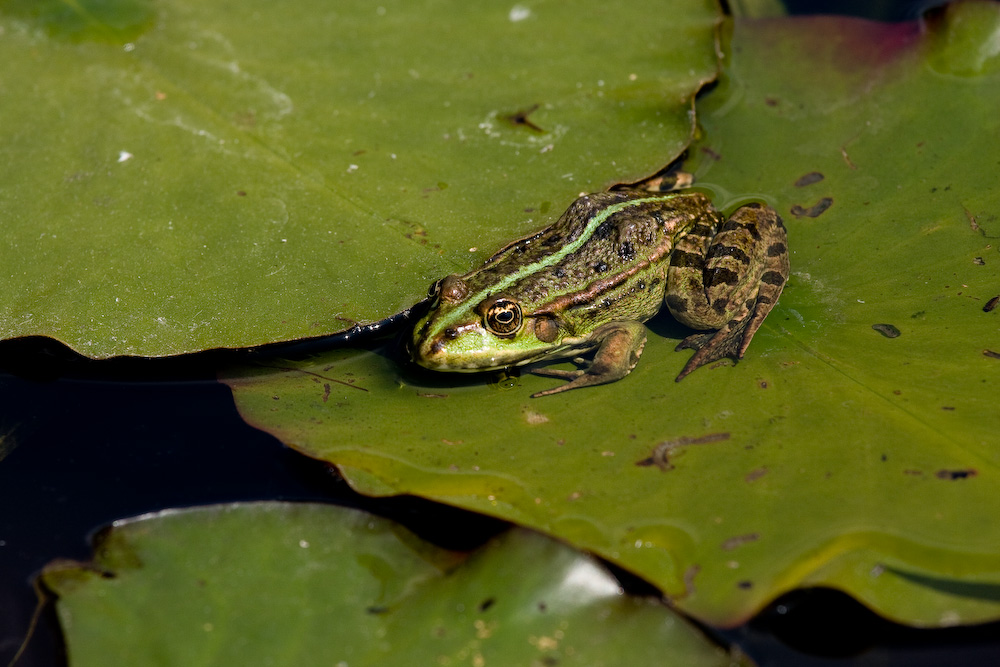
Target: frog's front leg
(619, 345)
(727, 282)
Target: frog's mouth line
(474, 361)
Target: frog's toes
(695, 341)
(727, 342)
(576, 379)
(557, 373)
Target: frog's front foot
(619, 346)
(573, 377)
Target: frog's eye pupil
(503, 317)
(434, 294)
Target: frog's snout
(455, 349)
(431, 353)
(428, 351)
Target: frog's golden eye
(503, 318)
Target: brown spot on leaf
(991, 354)
(689, 575)
(660, 456)
(847, 159)
(973, 223)
(809, 179)
(739, 540)
(756, 474)
(521, 118)
(813, 211)
(887, 330)
(950, 475)
(991, 304)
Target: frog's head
(466, 331)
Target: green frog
(592, 278)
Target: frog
(589, 281)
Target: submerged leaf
(284, 584)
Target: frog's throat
(460, 313)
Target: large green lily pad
(286, 584)
(187, 175)
(836, 453)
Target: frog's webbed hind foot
(728, 342)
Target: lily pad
(287, 584)
(833, 454)
(180, 176)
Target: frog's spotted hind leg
(731, 285)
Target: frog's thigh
(740, 280)
(715, 280)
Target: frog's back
(599, 237)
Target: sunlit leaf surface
(837, 452)
(183, 175)
(284, 584)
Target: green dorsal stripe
(549, 260)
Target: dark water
(879, 10)
(141, 437)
